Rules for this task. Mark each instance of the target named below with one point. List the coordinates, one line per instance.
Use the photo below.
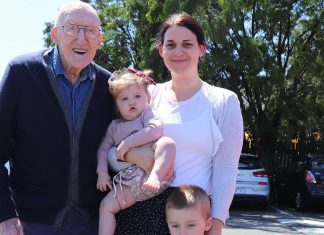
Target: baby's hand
(121, 150)
(103, 181)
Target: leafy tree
(271, 54)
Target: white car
(252, 183)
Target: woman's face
(181, 50)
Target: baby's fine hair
(123, 78)
(189, 196)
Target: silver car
(252, 182)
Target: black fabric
(144, 218)
(73, 224)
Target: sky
(21, 26)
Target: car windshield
(249, 163)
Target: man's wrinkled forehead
(77, 10)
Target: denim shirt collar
(59, 69)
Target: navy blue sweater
(53, 167)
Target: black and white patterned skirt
(144, 218)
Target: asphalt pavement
(240, 231)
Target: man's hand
(103, 181)
(11, 227)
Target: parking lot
(277, 219)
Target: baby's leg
(164, 155)
(110, 205)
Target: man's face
(76, 51)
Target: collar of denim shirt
(59, 69)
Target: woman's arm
(225, 162)
(216, 228)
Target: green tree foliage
(270, 53)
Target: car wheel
(300, 202)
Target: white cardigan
(208, 131)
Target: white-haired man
(54, 109)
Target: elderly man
(54, 110)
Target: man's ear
(54, 34)
(99, 40)
(209, 223)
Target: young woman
(204, 121)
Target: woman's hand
(216, 228)
(142, 156)
(11, 227)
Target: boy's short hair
(189, 196)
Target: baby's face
(132, 101)
(188, 221)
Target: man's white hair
(69, 7)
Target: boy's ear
(209, 223)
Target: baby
(137, 125)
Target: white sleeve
(114, 164)
(225, 162)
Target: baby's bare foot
(153, 182)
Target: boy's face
(189, 221)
